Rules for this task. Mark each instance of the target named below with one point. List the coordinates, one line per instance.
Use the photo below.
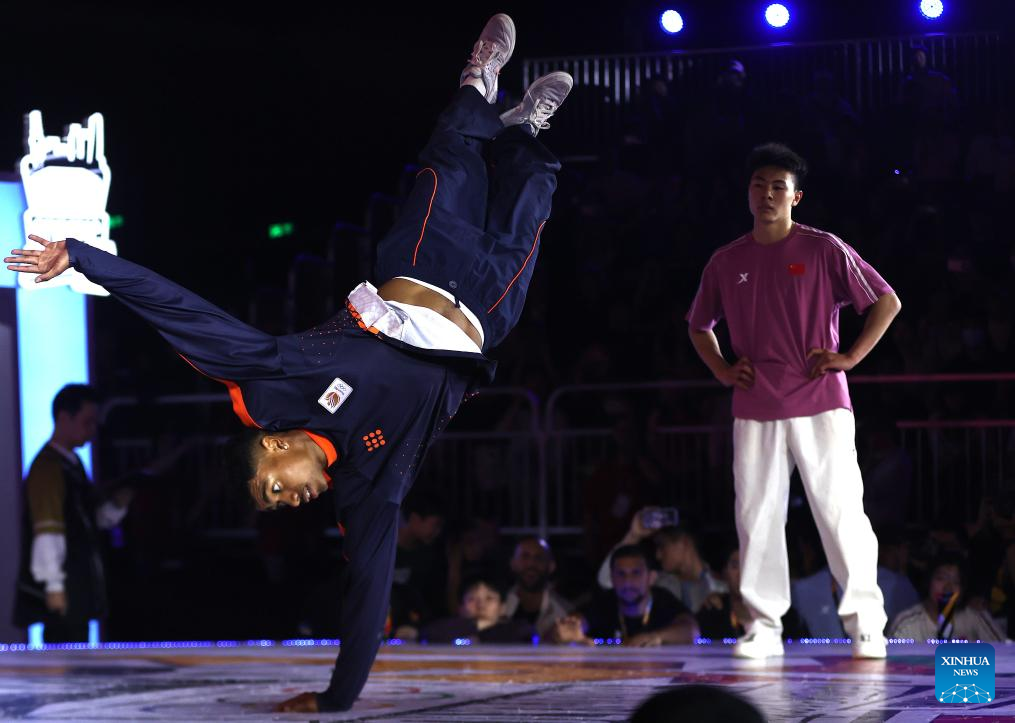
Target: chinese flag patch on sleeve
(796, 269)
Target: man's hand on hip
(828, 360)
(739, 374)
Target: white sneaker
(759, 645)
(870, 646)
(541, 101)
(493, 49)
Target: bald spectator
(532, 599)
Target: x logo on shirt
(743, 279)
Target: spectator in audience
(532, 599)
(480, 618)
(685, 573)
(723, 613)
(476, 552)
(420, 565)
(816, 597)
(943, 614)
(636, 612)
(61, 582)
(928, 94)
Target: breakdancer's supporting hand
(302, 703)
(48, 263)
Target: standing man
(61, 581)
(780, 288)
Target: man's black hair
(628, 551)
(676, 533)
(701, 703)
(780, 156)
(72, 397)
(490, 581)
(243, 453)
(538, 540)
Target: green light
(278, 230)
(115, 221)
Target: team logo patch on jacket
(335, 395)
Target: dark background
(223, 119)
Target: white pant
(823, 448)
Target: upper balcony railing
(868, 73)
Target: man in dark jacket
(354, 403)
(61, 582)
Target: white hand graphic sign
(66, 183)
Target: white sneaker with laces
(490, 53)
(870, 646)
(758, 645)
(541, 101)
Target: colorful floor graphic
(481, 683)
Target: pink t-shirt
(780, 301)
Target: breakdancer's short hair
(780, 156)
(245, 453)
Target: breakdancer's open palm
(48, 263)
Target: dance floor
(478, 683)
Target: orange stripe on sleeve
(428, 209)
(527, 258)
(235, 395)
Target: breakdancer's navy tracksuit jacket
(471, 225)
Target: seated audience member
(475, 551)
(943, 614)
(723, 614)
(420, 566)
(480, 619)
(815, 598)
(635, 611)
(532, 599)
(684, 572)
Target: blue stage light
(777, 15)
(671, 22)
(931, 9)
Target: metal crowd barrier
(546, 468)
(868, 73)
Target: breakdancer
(780, 288)
(354, 403)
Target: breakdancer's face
(631, 579)
(289, 473)
(772, 194)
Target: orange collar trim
(235, 395)
(325, 444)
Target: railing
(547, 468)
(867, 72)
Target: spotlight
(931, 9)
(777, 15)
(671, 22)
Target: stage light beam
(931, 9)
(777, 15)
(671, 22)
